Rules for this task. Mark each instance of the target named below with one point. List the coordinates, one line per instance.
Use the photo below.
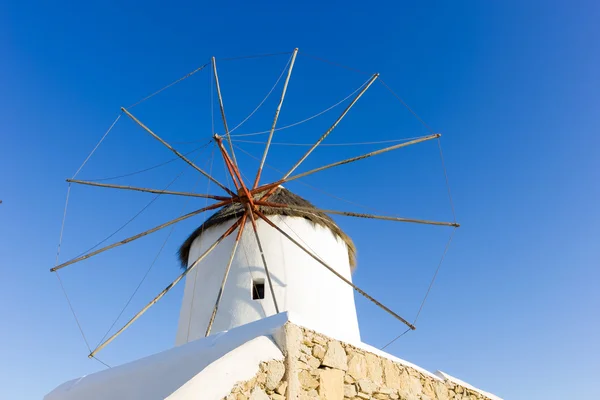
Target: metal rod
(358, 96)
(139, 235)
(139, 189)
(214, 64)
(359, 290)
(353, 214)
(277, 111)
(184, 158)
(166, 290)
(227, 269)
(262, 254)
(270, 187)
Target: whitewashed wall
(301, 285)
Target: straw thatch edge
(282, 196)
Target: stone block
(319, 340)
(274, 371)
(335, 356)
(349, 390)
(259, 394)
(314, 362)
(415, 386)
(307, 380)
(441, 392)
(366, 386)
(391, 374)
(357, 366)
(318, 351)
(387, 391)
(331, 384)
(374, 370)
(281, 388)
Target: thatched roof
(282, 196)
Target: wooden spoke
(227, 269)
(222, 107)
(237, 181)
(332, 127)
(277, 111)
(271, 187)
(184, 158)
(139, 189)
(318, 259)
(353, 214)
(234, 171)
(139, 235)
(168, 288)
(262, 254)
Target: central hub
(244, 199)
(242, 195)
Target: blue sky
(512, 86)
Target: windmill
(294, 243)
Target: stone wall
(267, 384)
(317, 367)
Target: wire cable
(150, 168)
(135, 216)
(97, 145)
(263, 100)
(407, 106)
(396, 338)
(62, 286)
(309, 185)
(333, 63)
(332, 144)
(148, 270)
(437, 270)
(168, 86)
(428, 289)
(304, 120)
(446, 177)
(254, 56)
(101, 362)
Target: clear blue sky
(512, 86)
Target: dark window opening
(258, 289)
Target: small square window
(258, 289)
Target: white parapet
(262, 357)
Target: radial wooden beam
(235, 172)
(166, 290)
(227, 269)
(228, 163)
(139, 235)
(332, 127)
(222, 107)
(184, 158)
(262, 255)
(271, 186)
(353, 214)
(277, 111)
(323, 263)
(139, 189)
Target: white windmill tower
(296, 282)
(264, 255)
